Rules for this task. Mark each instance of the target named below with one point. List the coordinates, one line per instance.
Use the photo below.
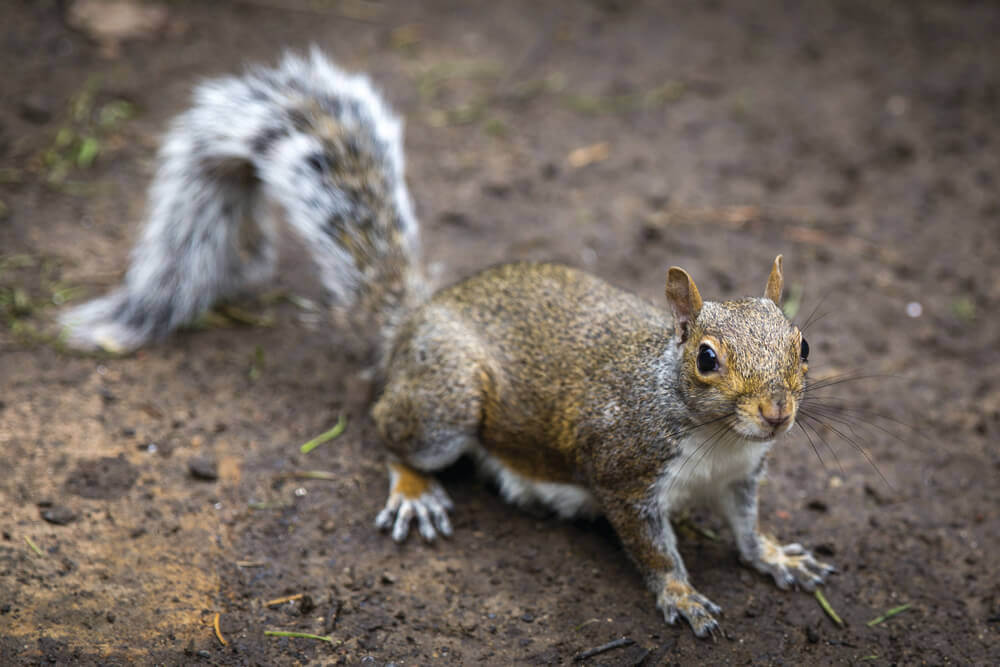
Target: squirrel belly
(567, 500)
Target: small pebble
(35, 109)
(306, 605)
(59, 515)
(202, 468)
(825, 549)
(817, 506)
(914, 309)
(897, 105)
(527, 618)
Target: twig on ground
(889, 614)
(324, 437)
(218, 631)
(586, 623)
(299, 635)
(827, 608)
(333, 615)
(288, 598)
(34, 547)
(597, 650)
(310, 474)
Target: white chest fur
(704, 468)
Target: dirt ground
(859, 139)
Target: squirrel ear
(685, 302)
(774, 282)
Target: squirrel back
(305, 135)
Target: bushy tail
(320, 143)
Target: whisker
(809, 320)
(828, 402)
(717, 433)
(814, 410)
(842, 416)
(707, 442)
(716, 442)
(812, 444)
(826, 443)
(853, 442)
(841, 379)
(675, 434)
(709, 449)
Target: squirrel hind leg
(430, 409)
(423, 432)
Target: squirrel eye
(707, 361)
(805, 350)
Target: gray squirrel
(569, 392)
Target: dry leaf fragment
(585, 155)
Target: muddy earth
(145, 497)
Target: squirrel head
(740, 360)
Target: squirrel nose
(774, 414)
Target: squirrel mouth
(756, 433)
(780, 429)
(765, 432)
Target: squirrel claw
(791, 565)
(430, 510)
(680, 599)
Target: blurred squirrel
(569, 392)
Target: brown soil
(859, 139)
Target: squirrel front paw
(679, 598)
(412, 494)
(790, 564)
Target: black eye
(707, 361)
(805, 350)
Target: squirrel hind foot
(414, 495)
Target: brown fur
(409, 483)
(564, 379)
